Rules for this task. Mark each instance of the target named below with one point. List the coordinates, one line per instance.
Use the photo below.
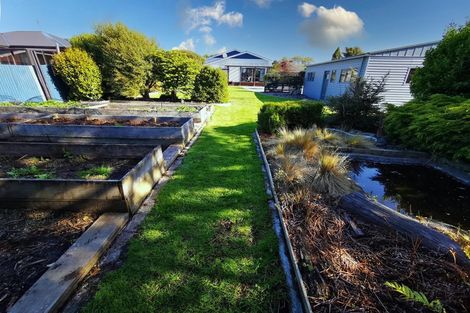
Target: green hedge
(210, 85)
(440, 125)
(80, 73)
(290, 114)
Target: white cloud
(209, 39)
(188, 44)
(328, 27)
(205, 29)
(206, 15)
(306, 9)
(262, 3)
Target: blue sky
(272, 28)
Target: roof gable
(247, 55)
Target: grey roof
(378, 52)
(31, 39)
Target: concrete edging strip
(292, 257)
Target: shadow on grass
(209, 245)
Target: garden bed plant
(66, 167)
(348, 264)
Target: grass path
(208, 246)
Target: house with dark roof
(25, 71)
(397, 65)
(242, 67)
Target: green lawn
(208, 245)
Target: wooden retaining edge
(292, 257)
(56, 284)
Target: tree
(122, 55)
(446, 68)
(179, 69)
(88, 43)
(358, 107)
(210, 85)
(352, 51)
(79, 72)
(295, 64)
(337, 54)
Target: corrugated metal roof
(31, 39)
(378, 52)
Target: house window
(409, 77)
(21, 57)
(347, 75)
(333, 76)
(6, 57)
(310, 76)
(250, 74)
(247, 74)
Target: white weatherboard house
(332, 78)
(243, 67)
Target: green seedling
(99, 172)
(30, 171)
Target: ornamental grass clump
(301, 159)
(327, 137)
(330, 175)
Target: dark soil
(346, 273)
(30, 241)
(150, 122)
(65, 168)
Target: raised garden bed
(79, 128)
(92, 177)
(349, 261)
(199, 112)
(30, 241)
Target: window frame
(409, 75)
(332, 76)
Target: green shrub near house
(439, 125)
(80, 73)
(446, 68)
(210, 85)
(290, 114)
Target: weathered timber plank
(359, 205)
(56, 285)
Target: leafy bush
(289, 114)
(440, 125)
(122, 55)
(358, 107)
(178, 70)
(80, 73)
(446, 68)
(210, 85)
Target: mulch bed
(150, 122)
(65, 168)
(30, 242)
(344, 272)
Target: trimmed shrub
(80, 73)
(210, 85)
(440, 126)
(289, 114)
(122, 55)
